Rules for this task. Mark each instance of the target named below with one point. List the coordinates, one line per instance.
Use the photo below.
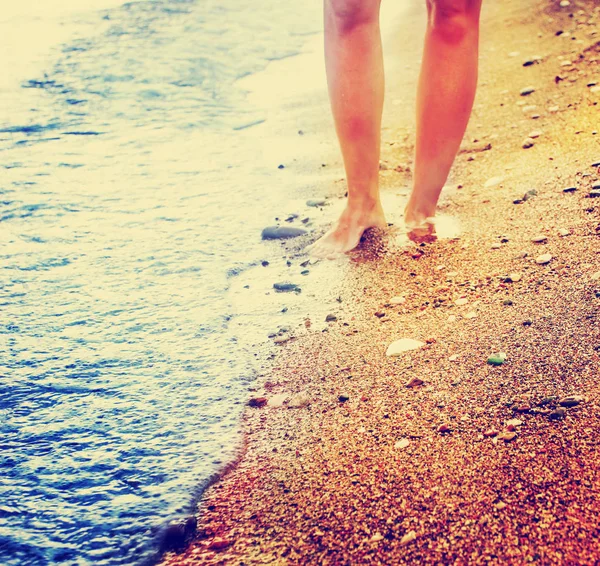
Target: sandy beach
(480, 445)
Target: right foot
(345, 234)
(420, 228)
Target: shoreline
(350, 452)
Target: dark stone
(594, 194)
(343, 398)
(570, 190)
(264, 263)
(558, 414)
(281, 167)
(177, 534)
(257, 402)
(286, 287)
(527, 91)
(330, 318)
(569, 402)
(281, 232)
(527, 323)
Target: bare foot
(420, 228)
(345, 234)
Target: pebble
(558, 414)
(471, 314)
(460, 302)
(530, 194)
(527, 91)
(316, 202)
(281, 339)
(414, 382)
(397, 300)
(507, 436)
(493, 182)
(553, 109)
(495, 246)
(453, 358)
(564, 232)
(534, 135)
(408, 537)
(514, 278)
(514, 422)
(571, 401)
(403, 345)
(564, 3)
(281, 232)
(376, 537)
(595, 276)
(539, 239)
(257, 402)
(178, 533)
(286, 287)
(500, 505)
(527, 143)
(443, 429)
(277, 400)
(402, 443)
(299, 400)
(219, 543)
(497, 359)
(491, 432)
(543, 259)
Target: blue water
(127, 205)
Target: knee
(347, 15)
(452, 20)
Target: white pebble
(403, 345)
(493, 182)
(543, 259)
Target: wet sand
(479, 463)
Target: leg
(444, 101)
(354, 64)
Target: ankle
(364, 200)
(418, 212)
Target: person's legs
(444, 101)
(354, 64)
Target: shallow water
(128, 209)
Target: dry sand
(365, 474)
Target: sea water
(132, 195)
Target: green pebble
(496, 360)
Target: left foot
(346, 232)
